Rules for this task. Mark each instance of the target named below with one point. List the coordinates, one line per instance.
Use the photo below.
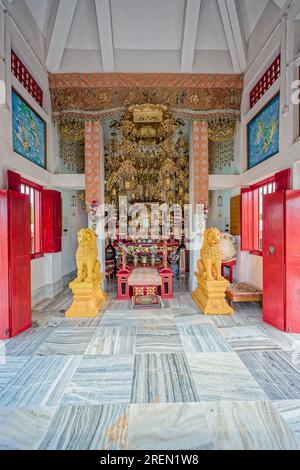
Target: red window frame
(26, 79)
(266, 186)
(265, 82)
(35, 193)
(252, 216)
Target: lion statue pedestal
(88, 296)
(210, 293)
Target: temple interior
(149, 225)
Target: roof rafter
(62, 24)
(103, 11)
(233, 32)
(192, 14)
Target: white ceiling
(145, 35)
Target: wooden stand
(210, 296)
(88, 298)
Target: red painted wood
(26, 79)
(293, 261)
(255, 220)
(166, 283)
(51, 221)
(19, 262)
(230, 265)
(273, 265)
(283, 180)
(4, 285)
(58, 221)
(265, 82)
(246, 219)
(13, 181)
(15, 290)
(123, 287)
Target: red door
(4, 298)
(19, 262)
(274, 259)
(293, 261)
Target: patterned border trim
(144, 80)
(93, 160)
(200, 162)
(78, 115)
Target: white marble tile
(101, 380)
(118, 306)
(40, 382)
(248, 426)
(88, 428)
(186, 316)
(274, 372)
(285, 341)
(28, 342)
(159, 339)
(184, 300)
(24, 428)
(160, 378)
(113, 340)
(202, 338)
(245, 338)
(165, 426)
(67, 341)
(9, 366)
(223, 376)
(289, 410)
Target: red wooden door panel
(51, 221)
(274, 259)
(4, 298)
(293, 261)
(19, 262)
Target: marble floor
(167, 378)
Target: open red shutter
(246, 219)
(283, 180)
(13, 181)
(58, 221)
(51, 221)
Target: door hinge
(6, 331)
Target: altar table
(144, 281)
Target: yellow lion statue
(209, 266)
(88, 265)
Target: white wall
(219, 217)
(47, 273)
(76, 218)
(274, 33)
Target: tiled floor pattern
(149, 379)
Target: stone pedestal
(88, 298)
(210, 296)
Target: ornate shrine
(147, 157)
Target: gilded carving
(209, 266)
(210, 292)
(88, 296)
(88, 265)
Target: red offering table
(229, 265)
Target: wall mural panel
(263, 133)
(28, 131)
